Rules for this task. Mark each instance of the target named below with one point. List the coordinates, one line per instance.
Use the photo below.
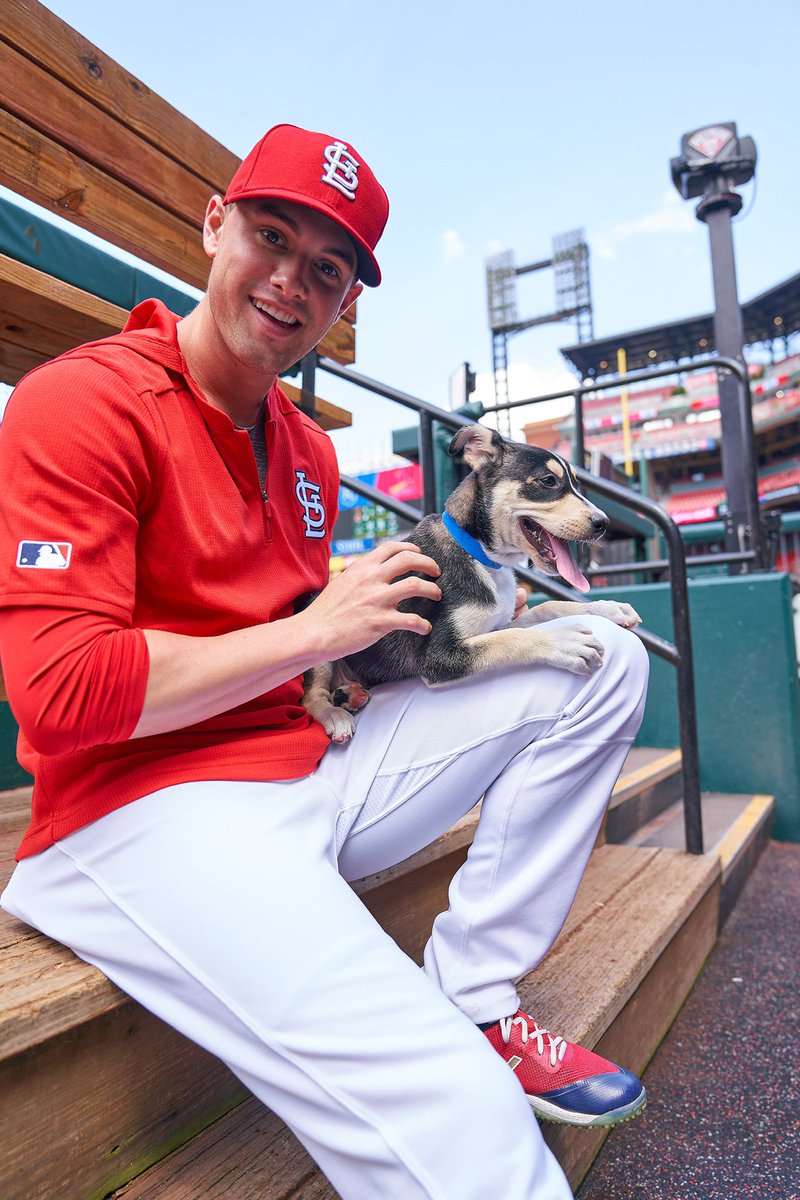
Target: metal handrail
(679, 653)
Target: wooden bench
(83, 138)
(120, 1090)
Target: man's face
(281, 275)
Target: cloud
(451, 246)
(672, 218)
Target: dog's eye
(548, 481)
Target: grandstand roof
(773, 314)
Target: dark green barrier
(746, 682)
(11, 773)
(30, 239)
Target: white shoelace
(557, 1045)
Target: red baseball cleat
(564, 1082)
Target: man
(192, 832)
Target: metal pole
(687, 707)
(580, 436)
(308, 384)
(739, 469)
(684, 665)
(426, 462)
(584, 553)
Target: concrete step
(71, 1043)
(650, 783)
(735, 827)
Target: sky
(495, 126)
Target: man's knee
(625, 672)
(622, 646)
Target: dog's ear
(478, 446)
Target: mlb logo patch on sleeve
(49, 556)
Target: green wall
(745, 680)
(11, 773)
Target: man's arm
(78, 679)
(81, 671)
(191, 679)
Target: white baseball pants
(222, 908)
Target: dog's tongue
(567, 567)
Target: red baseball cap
(323, 173)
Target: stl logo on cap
(342, 169)
(316, 169)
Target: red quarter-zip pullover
(130, 503)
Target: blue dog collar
(467, 542)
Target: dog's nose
(599, 521)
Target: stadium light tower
(570, 263)
(712, 162)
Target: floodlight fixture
(713, 161)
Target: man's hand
(520, 602)
(193, 678)
(359, 606)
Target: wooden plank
(55, 46)
(46, 990)
(642, 795)
(349, 316)
(339, 342)
(16, 361)
(639, 1028)
(262, 1157)
(50, 107)
(407, 907)
(14, 812)
(116, 1094)
(50, 315)
(631, 903)
(43, 171)
(248, 1153)
(740, 849)
(326, 415)
(22, 331)
(34, 304)
(85, 139)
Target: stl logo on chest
(308, 495)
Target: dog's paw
(339, 725)
(575, 648)
(612, 610)
(351, 697)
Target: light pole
(713, 160)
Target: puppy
(519, 502)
